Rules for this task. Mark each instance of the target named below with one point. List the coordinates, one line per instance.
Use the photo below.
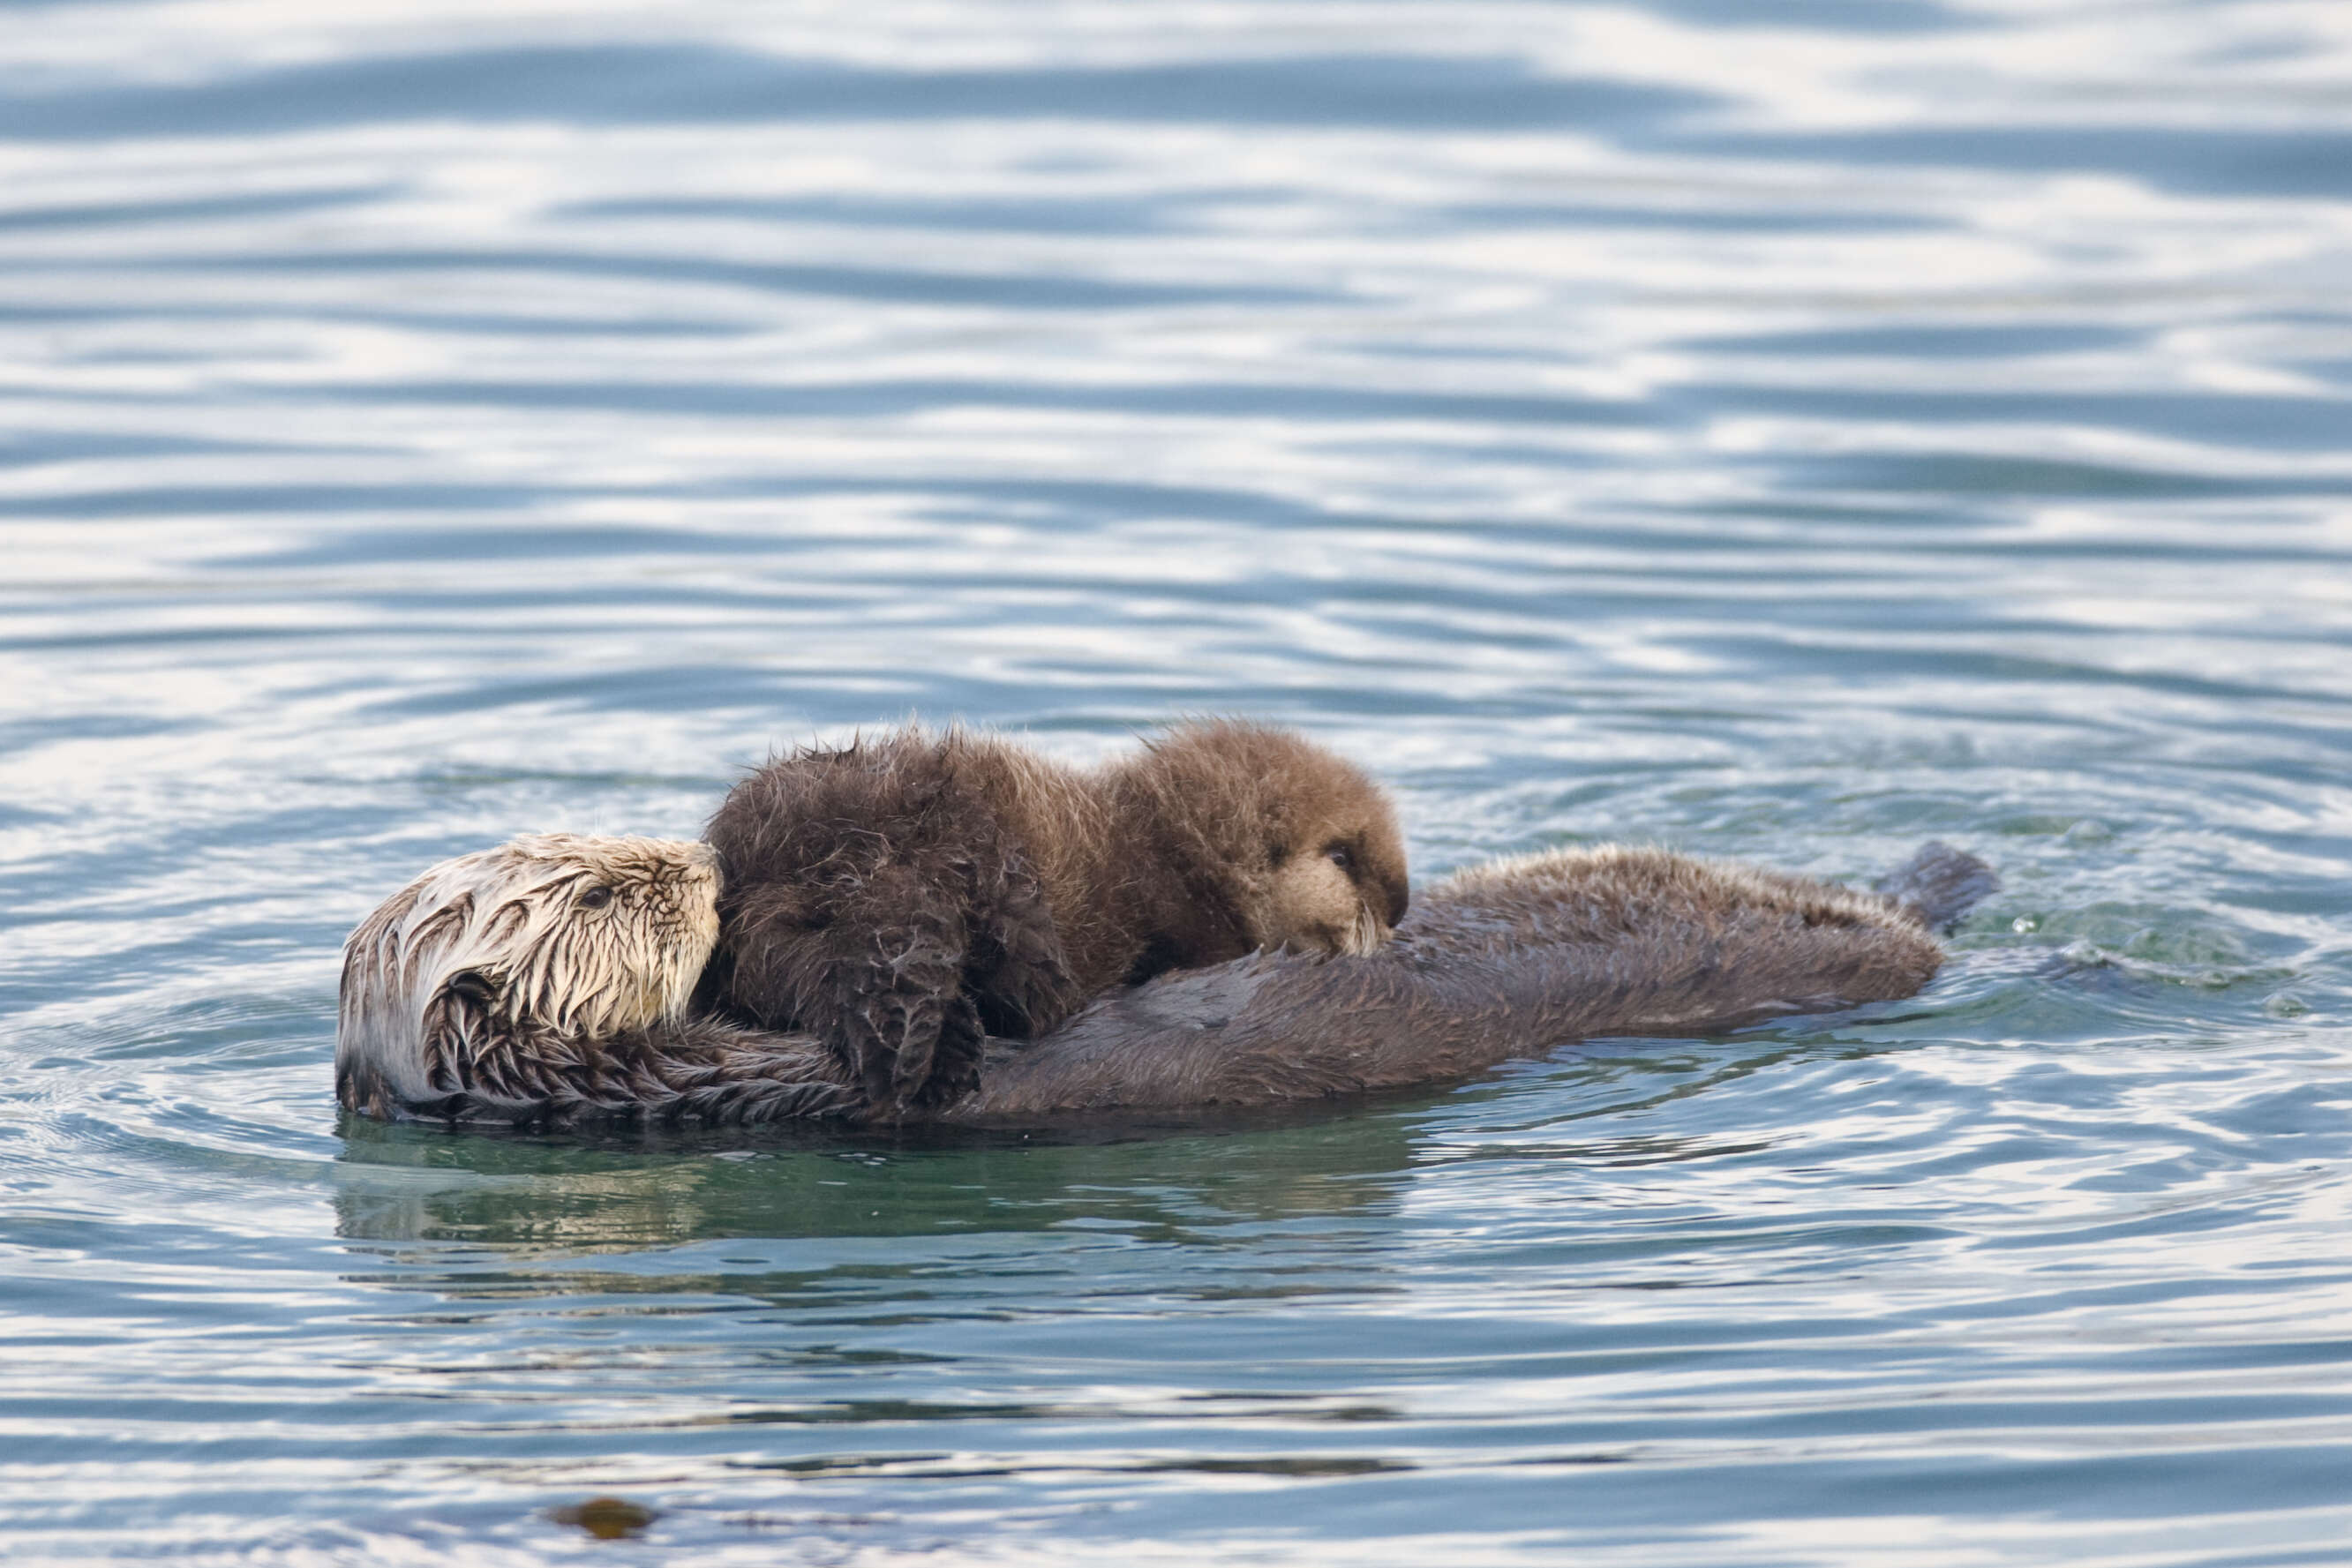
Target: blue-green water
(1785, 431)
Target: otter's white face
(555, 936)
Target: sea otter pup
(908, 896)
(1503, 961)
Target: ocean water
(1784, 432)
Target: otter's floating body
(1503, 961)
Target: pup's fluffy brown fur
(907, 895)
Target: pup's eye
(1340, 855)
(596, 897)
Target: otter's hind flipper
(1018, 975)
(852, 895)
(1939, 884)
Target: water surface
(1786, 439)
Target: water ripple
(1786, 436)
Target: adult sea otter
(539, 983)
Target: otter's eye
(1340, 855)
(596, 897)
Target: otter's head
(547, 943)
(1304, 844)
(1337, 882)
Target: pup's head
(555, 939)
(1307, 842)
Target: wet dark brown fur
(1504, 961)
(910, 895)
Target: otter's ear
(456, 1026)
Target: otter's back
(1504, 961)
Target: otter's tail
(1939, 884)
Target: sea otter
(553, 1015)
(495, 968)
(910, 895)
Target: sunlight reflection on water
(1785, 441)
